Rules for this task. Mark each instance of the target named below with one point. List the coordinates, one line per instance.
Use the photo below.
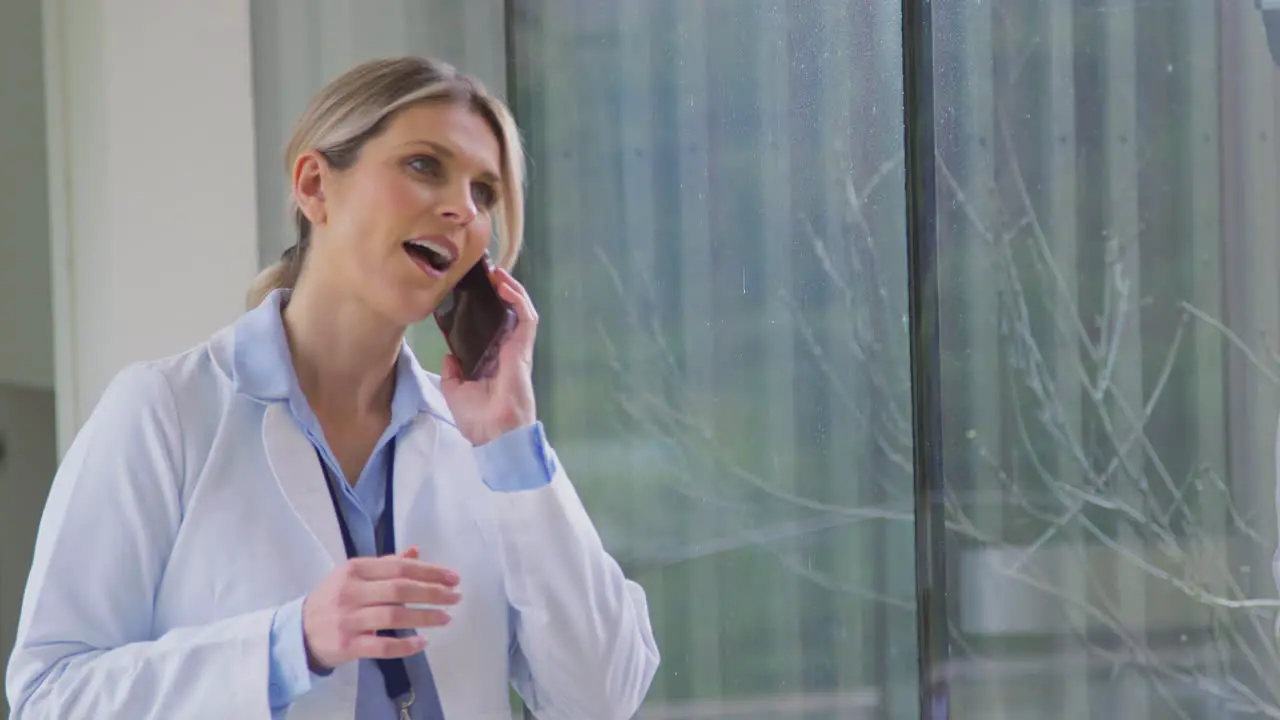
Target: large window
(717, 247)
(1106, 205)
(721, 250)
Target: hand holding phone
(474, 321)
(491, 326)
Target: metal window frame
(922, 284)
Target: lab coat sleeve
(85, 646)
(584, 646)
(517, 460)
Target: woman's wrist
(488, 435)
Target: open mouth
(436, 256)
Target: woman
(294, 519)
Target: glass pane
(717, 249)
(1108, 217)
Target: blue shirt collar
(263, 367)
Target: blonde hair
(357, 106)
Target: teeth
(442, 250)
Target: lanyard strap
(394, 674)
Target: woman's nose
(456, 205)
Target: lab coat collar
(296, 468)
(262, 367)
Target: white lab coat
(186, 511)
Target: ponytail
(284, 272)
(276, 276)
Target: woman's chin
(419, 305)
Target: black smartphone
(474, 321)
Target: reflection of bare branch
(1235, 340)
(1120, 494)
(1075, 480)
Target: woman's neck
(344, 353)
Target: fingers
(393, 617)
(341, 616)
(377, 646)
(389, 567)
(380, 603)
(402, 591)
(513, 292)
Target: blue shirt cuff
(290, 675)
(520, 459)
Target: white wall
(26, 315)
(152, 193)
(127, 223)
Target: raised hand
(341, 617)
(487, 408)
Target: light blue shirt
(516, 461)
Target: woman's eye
(425, 165)
(485, 196)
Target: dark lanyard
(394, 675)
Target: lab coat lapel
(293, 461)
(414, 468)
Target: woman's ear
(309, 173)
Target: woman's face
(399, 228)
